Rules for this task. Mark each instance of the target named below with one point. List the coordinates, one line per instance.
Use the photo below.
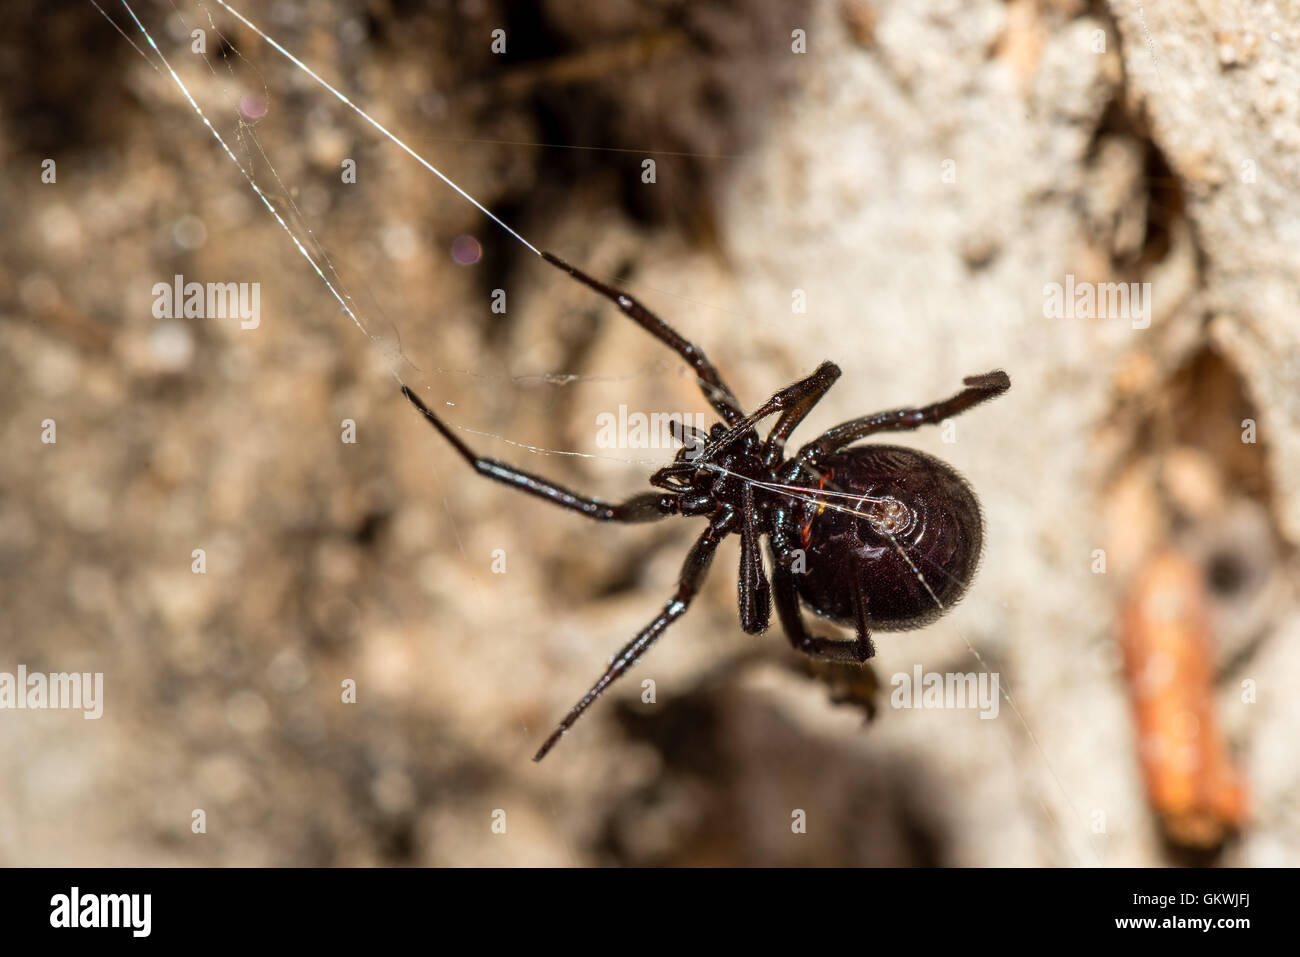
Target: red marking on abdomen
(805, 533)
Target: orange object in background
(1168, 657)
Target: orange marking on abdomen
(805, 533)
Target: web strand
(342, 98)
(248, 177)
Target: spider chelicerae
(875, 537)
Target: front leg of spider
(979, 388)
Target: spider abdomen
(902, 522)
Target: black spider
(877, 536)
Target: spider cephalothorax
(875, 537)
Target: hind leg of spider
(717, 392)
(786, 597)
(693, 571)
(979, 388)
(647, 507)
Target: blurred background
(915, 174)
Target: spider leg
(787, 609)
(755, 592)
(816, 386)
(693, 571)
(647, 507)
(715, 390)
(979, 388)
(794, 401)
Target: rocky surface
(917, 178)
